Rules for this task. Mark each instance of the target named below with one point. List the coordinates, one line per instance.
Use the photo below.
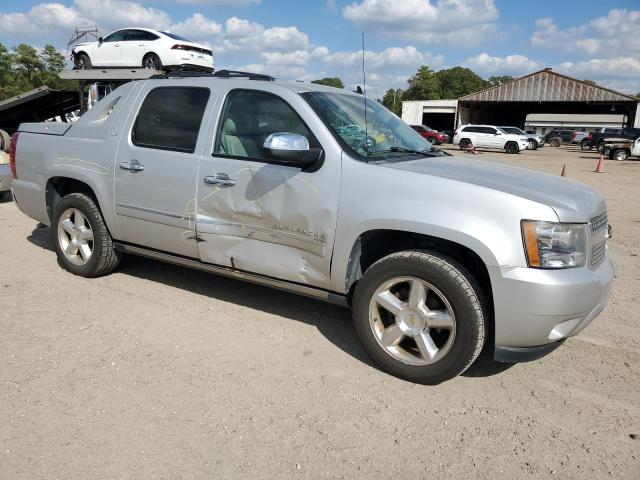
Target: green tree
(590, 82)
(423, 85)
(329, 82)
(496, 80)
(392, 99)
(26, 61)
(458, 81)
(6, 62)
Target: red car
(432, 136)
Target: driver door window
(248, 118)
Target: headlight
(555, 245)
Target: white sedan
(142, 47)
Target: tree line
(427, 84)
(24, 68)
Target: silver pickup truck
(324, 193)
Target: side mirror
(100, 39)
(291, 148)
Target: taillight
(12, 154)
(573, 135)
(191, 49)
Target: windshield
(384, 136)
(174, 36)
(512, 130)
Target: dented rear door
(267, 218)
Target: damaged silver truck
(324, 193)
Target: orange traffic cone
(564, 170)
(600, 166)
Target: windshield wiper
(424, 153)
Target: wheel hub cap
(75, 236)
(412, 320)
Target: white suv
(488, 136)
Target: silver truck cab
(244, 176)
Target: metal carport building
(544, 92)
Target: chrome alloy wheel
(75, 236)
(412, 321)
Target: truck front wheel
(419, 315)
(83, 243)
(620, 154)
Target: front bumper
(5, 177)
(524, 354)
(537, 308)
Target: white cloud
(197, 23)
(235, 3)
(44, 19)
(298, 58)
(393, 57)
(331, 5)
(113, 14)
(620, 73)
(442, 21)
(485, 64)
(615, 34)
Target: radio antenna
(364, 93)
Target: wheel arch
(57, 187)
(372, 245)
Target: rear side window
(470, 129)
(140, 35)
(170, 119)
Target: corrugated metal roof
(433, 103)
(547, 86)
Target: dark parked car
(557, 137)
(597, 138)
(432, 136)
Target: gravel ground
(161, 372)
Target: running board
(305, 290)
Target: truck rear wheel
(419, 316)
(620, 154)
(83, 243)
(555, 142)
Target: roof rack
(218, 74)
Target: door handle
(220, 180)
(133, 166)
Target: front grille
(598, 225)
(598, 222)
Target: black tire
(555, 141)
(585, 146)
(5, 141)
(431, 140)
(82, 62)
(104, 258)
(533, 144)
(620, 154)
(511, 147)
(462, 293)
(465, 144)
(152, 61)
(600, 147)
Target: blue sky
(306, 40)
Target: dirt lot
(162, 372)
